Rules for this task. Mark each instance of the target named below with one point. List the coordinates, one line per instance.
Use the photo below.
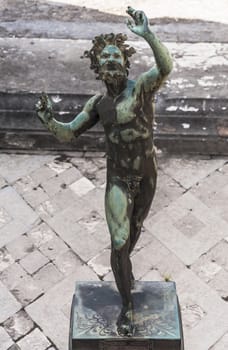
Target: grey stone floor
(53, 232)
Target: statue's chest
(116, 113)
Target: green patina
(117, 216)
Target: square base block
(97, 305)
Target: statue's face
(111, 60)
(111, 55)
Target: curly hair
(99, 43)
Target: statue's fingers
(129, 23)
(140, 17)
(49, 103)
(43, 100)
(130, 10)
(43, 94)
(38, 106)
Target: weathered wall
(40, 50)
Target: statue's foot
(125, 324)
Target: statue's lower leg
(121, 267)
(134, 236)
(125, 322)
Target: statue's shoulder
(94, 99)
(92, 102)
(131, 84)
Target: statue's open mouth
(112, 72)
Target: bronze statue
(126, 113)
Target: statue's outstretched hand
(44, 108)
(140, 24)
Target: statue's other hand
(140, 24)
(44, 108)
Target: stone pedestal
(96, 306)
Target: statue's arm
(66, 132)
(152, 79)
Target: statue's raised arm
(155, 76)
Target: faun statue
(126, 113)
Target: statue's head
(110, 56)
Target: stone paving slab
(18, 325)
(188, 227)
(201, 305)
(13, 275)
(147, 259)
(8, 304)
(27, 291)
(16, 215)
(34, 340)
(65, 238)
(186, 172)
(5, 259)
(20, 247)
(221, 344)
(12, 169)
(6, 341)
(213, 191)
(55, 323)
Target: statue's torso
(128, 127)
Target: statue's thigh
(118, 208)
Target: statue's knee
(118, 244)
(119, 239)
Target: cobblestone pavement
(53, 232)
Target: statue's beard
(113, 74)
